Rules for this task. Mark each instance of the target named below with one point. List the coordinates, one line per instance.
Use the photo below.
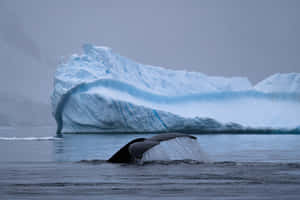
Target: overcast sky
(224, 38)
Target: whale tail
(123, 155)
(136, 148)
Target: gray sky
(225, 38)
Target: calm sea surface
(34, 164)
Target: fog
(225, 38)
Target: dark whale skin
(123, 155)
(134, 149)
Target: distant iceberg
(101, 91)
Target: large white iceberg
(101, 91)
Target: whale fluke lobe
(135, 149)
(123, 155)
(169, 136)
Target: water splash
(181, 148)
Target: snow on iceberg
(278, 83)
(101, 91)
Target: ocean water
(35, 164)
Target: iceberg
(101, 91)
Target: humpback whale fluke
(135, 149)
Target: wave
(29, 138)
(290, 165)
